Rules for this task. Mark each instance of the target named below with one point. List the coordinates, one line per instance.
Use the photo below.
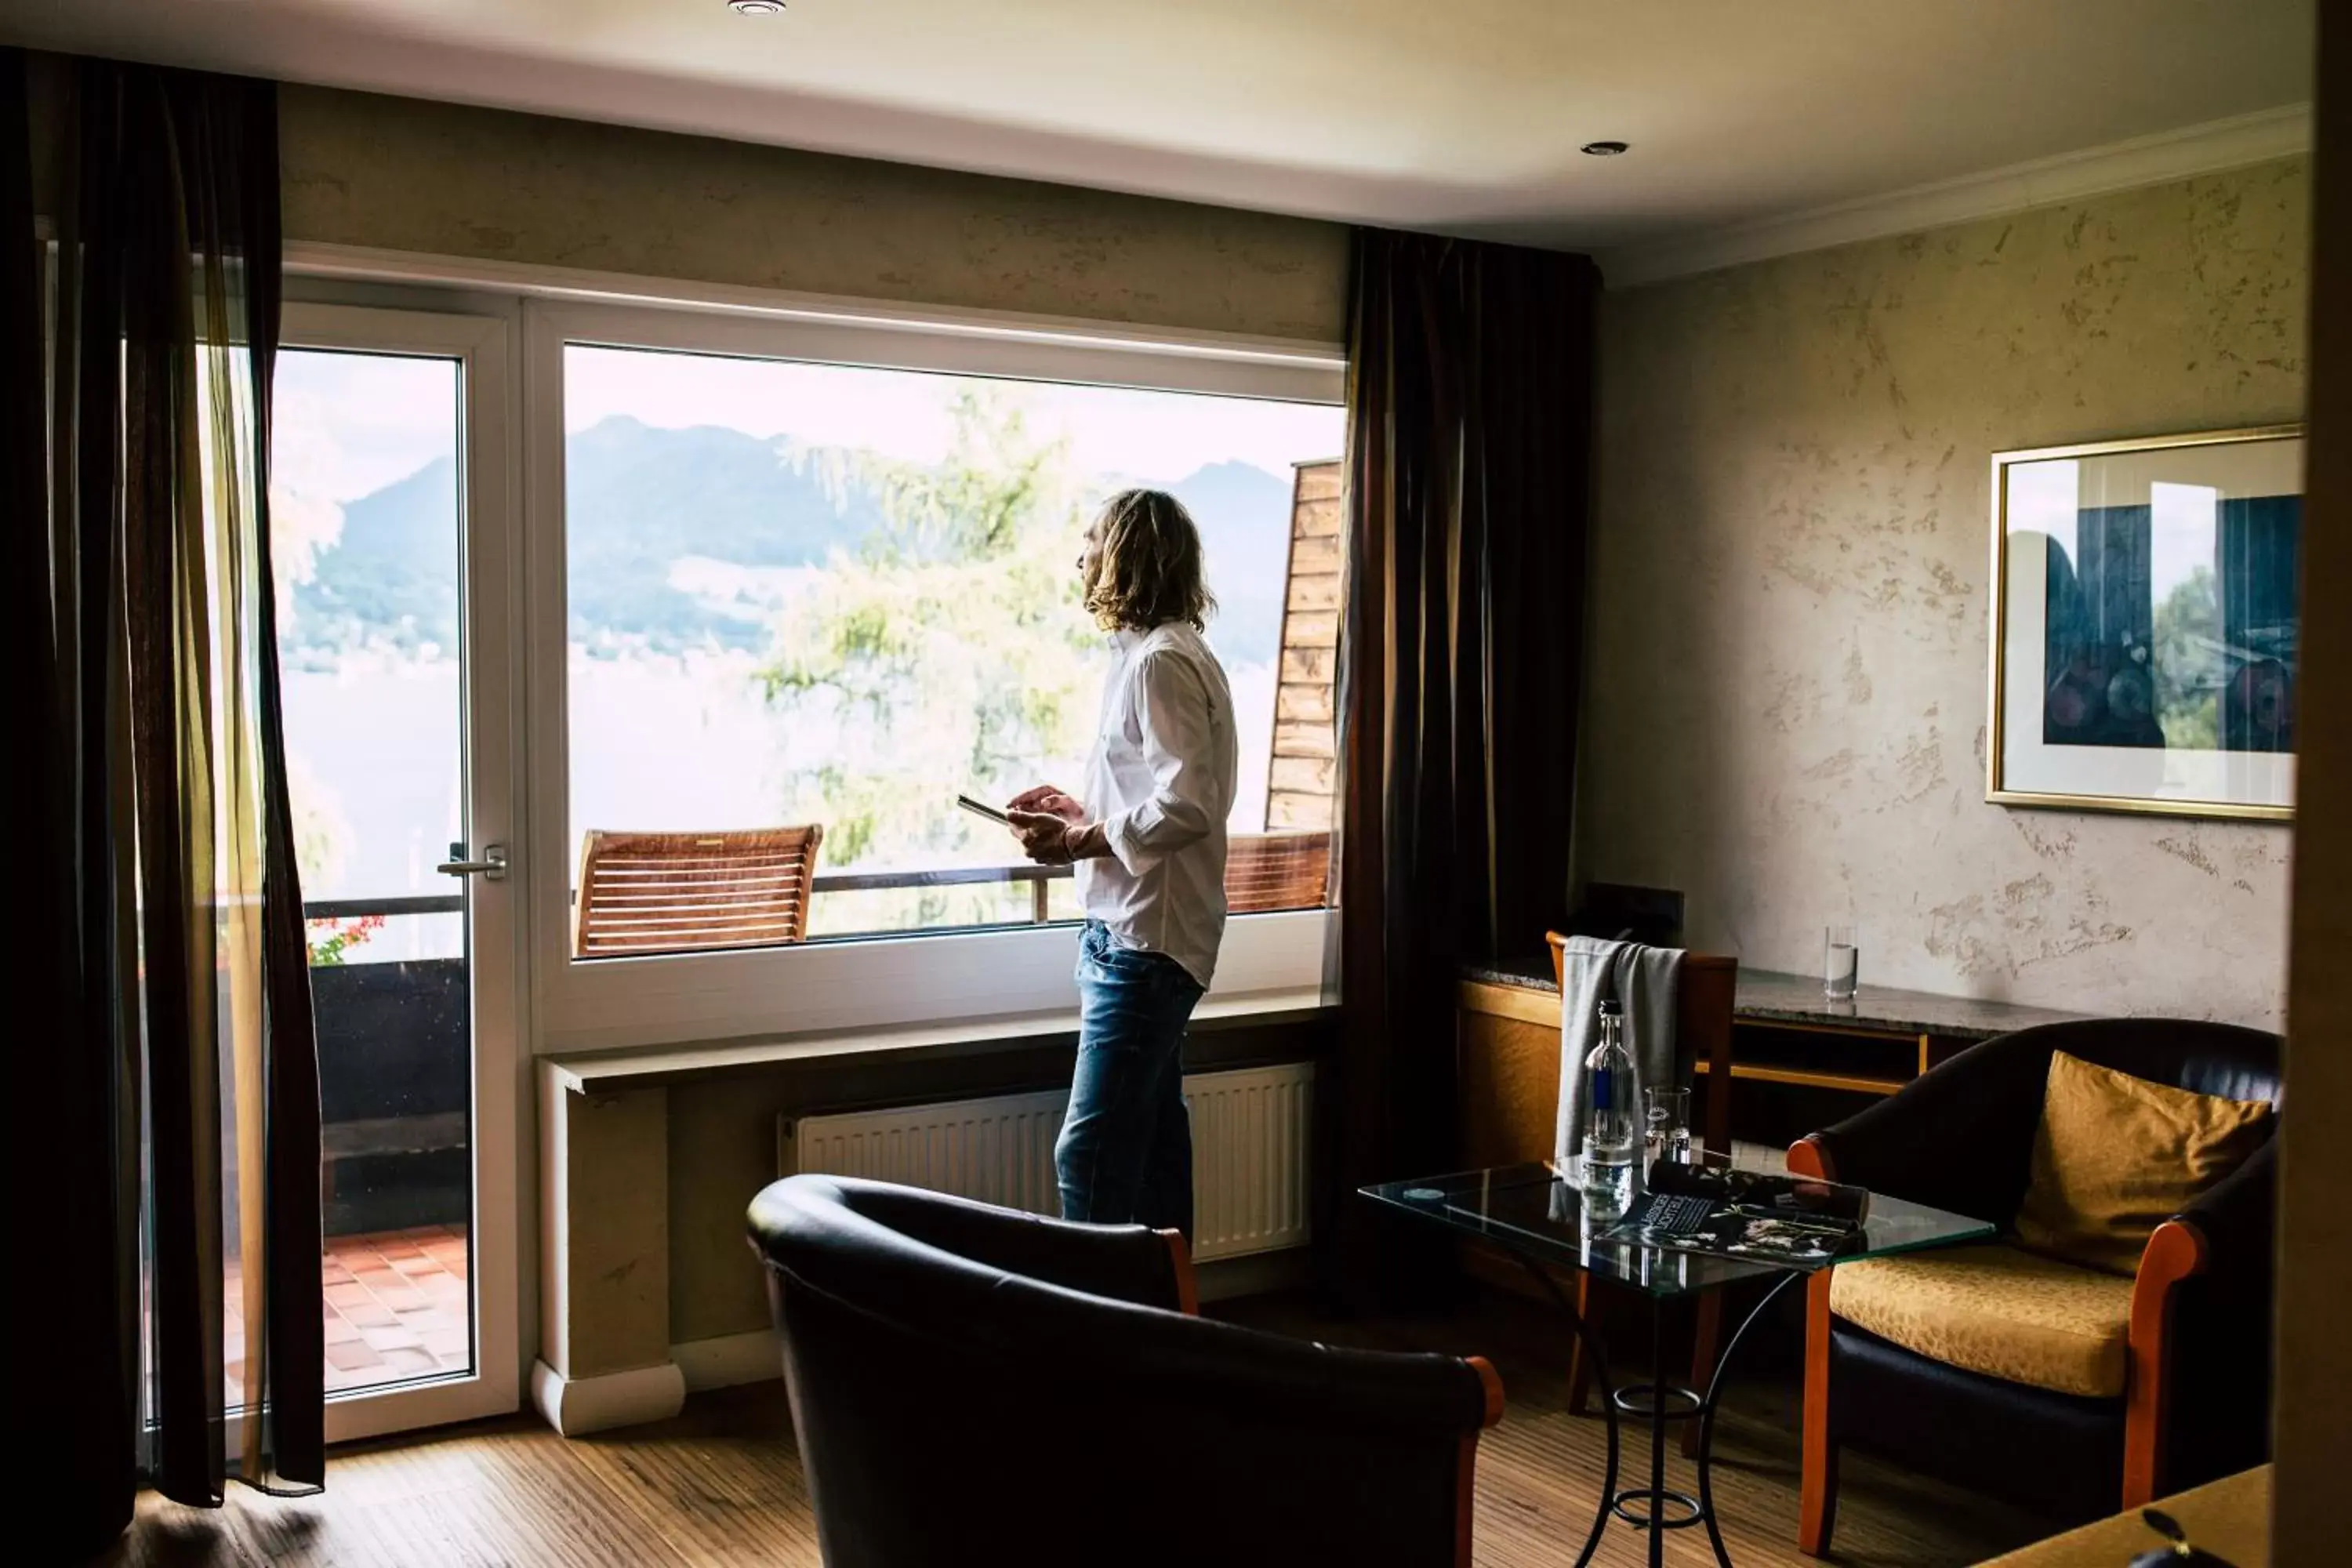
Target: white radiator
(1249, 1153)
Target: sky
(320, 451)
(347, 425)
(1156, 436)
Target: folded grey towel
(1645, 981)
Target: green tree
(2188, 672)
(947, 652)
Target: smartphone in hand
(981, 808)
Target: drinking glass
(1666, 1120)
(1841, 962)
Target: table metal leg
(1657, 1431)
(1707, 1413)
(1655, 1509)
(1656, 1399)
(1598, 1361)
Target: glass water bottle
(1613, 1120)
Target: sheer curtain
(1469, 475)
(178, 1114)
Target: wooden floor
(721, 1485)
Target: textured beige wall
(438, 178)
(1787, 714)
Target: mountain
(392, 575)
(641, 497)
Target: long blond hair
(1146, 570)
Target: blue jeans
(1125, 1154)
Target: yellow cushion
(1997, 1310)
(2115, 1156)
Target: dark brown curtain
(180, 1110)
(66, 1149)
(1470, 374)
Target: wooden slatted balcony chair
(691, 892)
(1277, 871)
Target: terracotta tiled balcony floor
(397, 1304)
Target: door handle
(490, 868)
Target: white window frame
(492, 601)
(842, 985)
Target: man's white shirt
(1161, 780)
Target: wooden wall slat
(1300, 773)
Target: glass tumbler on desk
(1667, 1123)
(1841, 962)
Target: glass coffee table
(1536, 1215)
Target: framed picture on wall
(2144, 625)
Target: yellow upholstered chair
(2114, 1343)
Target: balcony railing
(1266, 872)
(359, 909)
(1039, 877)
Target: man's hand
(1051, 800)
(1054, 840)
(1044, 835)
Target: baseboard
(576, 1405)
(1256, 1274)
(728, 1360)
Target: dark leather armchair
(2196, 1369)
(972, 1384)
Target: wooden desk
(2231, 1518)
(1791, 1043)
(1852, 1039)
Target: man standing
(1148, 838)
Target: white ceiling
(1456, 115)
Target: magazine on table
(1754, 1215)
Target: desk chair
(1509, 1108)
(1707, 983)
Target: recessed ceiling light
(1603, 149)
(756, 7)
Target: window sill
(642, 1066)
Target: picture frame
(2146, 612)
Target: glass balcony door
(390, 551)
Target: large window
(807, 595)
(796, 578)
